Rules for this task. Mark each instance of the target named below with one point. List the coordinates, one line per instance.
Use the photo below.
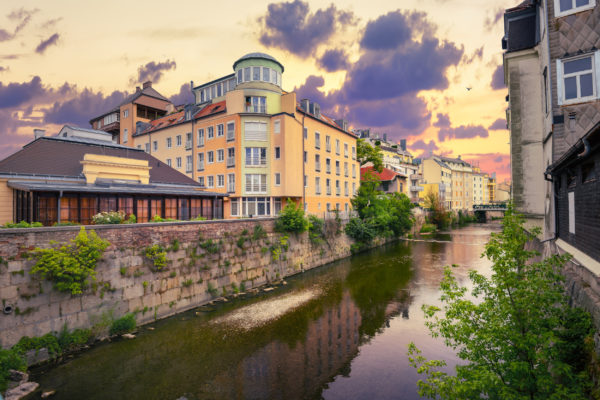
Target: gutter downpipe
(303, 166)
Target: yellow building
(437, 176)
(248, 138)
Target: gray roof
(89, 141)
(76, 128)
(263, 56)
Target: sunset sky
(399, 67)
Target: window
(328, 143)
(346, 150)
(188, 164)
(125, 113)
(328, 185)
(235, 203)
(219, 93)
(345, 188)
(354, 188)
(169, 162)
(277, 153)
(211, 132)
(256, 73)
(147, 148)
(337, 187)
(125, 135)
(305, 133)
(277, 126)
(577, 78)
(337, 147)
(231, 157)
(200, 161)
(346, 169)
(220, 130)
(239, 78)
(317, 162)
(318, 185)
(109, 119)
(155, 145)
(337, 167)
(256, 183)
(353, 153)
(305, 181)
(247, 74)
(277, 206)
(256, 206)
(305, 157)
(328, 165)
(220, 181)
(220, 155)
(211, 157)
(231, 183)
(257, 104)
(210, 180)
(188, 140)
(277, 179)
(178, 160)
(256, 131)
(266, 74)
(566, 7)
(230, 131)
(317, 140)
(178, 140)
(200, 137)
(201, 181)
(256, 156)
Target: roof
(223, 78)
(521, 27)
(325, 119)
(263, 56)
(148, 91)
(386, 174)
(101, 187)
(580, 149)
(96, 131)
(62, 157)
(455, 160)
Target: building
(144, 105)
(71, 178)
(390, 181)
(437, 178)
(492, 188)
(249, 139)
(562, 39)
(480, 188)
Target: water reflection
(338, 332)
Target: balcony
(188, 145)
(258, 189)
(230, 162)
(417, 188)
(230, 187)
(256, 109)
(201, 166)
(256, 162)
(230, 136)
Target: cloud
(51, 23)
(23, 17)
(333, 60)
(15, 94)
(44, 44)
(184, 96)
(394, 29)
(477, 55)
(490, 163)
(499, 124)
(498, 78)
(490, 22)
(3, 69)
(290, 26)
(153, 71)
(82, 107)
(446, 132)
(426, 147)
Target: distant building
(390, 181)
(72, 177)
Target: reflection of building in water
(278, 371)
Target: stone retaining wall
(127, 282)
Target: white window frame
(178, 162)
(210, 157)
(200, 137)
(125, 135)
(155, 145)
(125, 113)
(220, 181)
(210, 133)
(201, 181)
(260, 185)
(210, 181)
(277, 179)
(178, 141)
(231, 183)
(231, 132)
(277, 126)
(169, 162)
(220, 130)
(220, 155)
(558, 13)
(560, 78)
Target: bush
(158, 255)
(428, 228)
(66, 223)
(71, 267)
(131, 220)
(361, 231)
(291, 219)
(10, 359)
(316, 232)
(123, 325)
(258, 232)
(22, 224)
(109, 217)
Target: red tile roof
(385, 175)
(179, 117)
(211, 109)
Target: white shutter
(256, 131)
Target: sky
(397, 67)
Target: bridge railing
(489, 207)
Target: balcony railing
(230, 161)
(256, 109)
(201, 166)
(230, 187)
(250, 188)
(417, 188)
(188, 145)
(256, 162)
(230, 136)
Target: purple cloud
(3, 69)
(333, 60)
(15, 94)
(477, 55)
(498, 78)
(44, 44)
(499, 124)
(79, 109)
(490, 22)
(290, 26)
(394, 29)
(153, 71)
(460, 132)
(184, 96)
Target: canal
(338, 332)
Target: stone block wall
(127, 281)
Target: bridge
(484, 212)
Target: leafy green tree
(512, 337)
(292, 219)
(365, 153)
(439, 215)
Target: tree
(439, 215)
(515, 340)
(365, 153)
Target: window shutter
(597, 72)
(559, 82)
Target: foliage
(122, 325)
(70, 266)
(158, 255)
(132, 219)
(259, 232)
(211, 289)
(428, 228)
(188, 283)
(109, 217)
(439, 215)
(198, 218)
(211, 247)
(291, 219)
(10, 359)
(365, 153)
(515, 337)
(465, 218)
(66, 223)
(240, 242)
(279, 247)
(316, 232)
(174, 245)
(360, 230)
(22, 224)
(158, 218)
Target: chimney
(147, 84)
(38, 133)
(304, 104)
(170, 108)
(138, 89)
(403, 144)
(385, 137)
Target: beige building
(437, 177)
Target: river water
(337, 332)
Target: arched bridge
(485, 212)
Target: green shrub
(174, 245)
(428, 228)
(291, 219)
(173, 274)
(210, 246)
(123, 325)
(211, 289)
(158, 218)
(10, 359)
(316, 232)
(158, 255)
(66, 223)
(198, 218)
(22, 224)
(258, 232)
(240, 242)
(109, 217)
(131, 220)
(188, 283)
(361, 231)
(70, 266)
